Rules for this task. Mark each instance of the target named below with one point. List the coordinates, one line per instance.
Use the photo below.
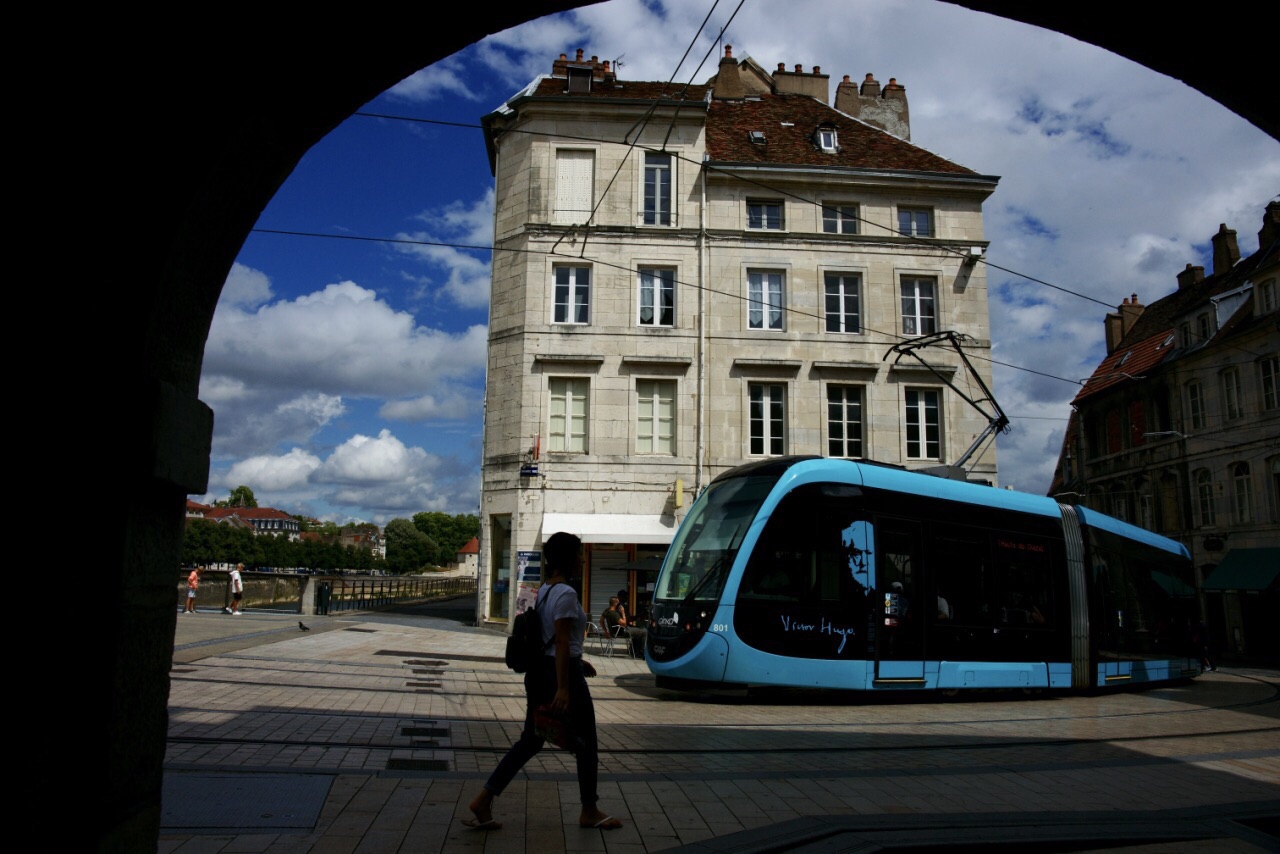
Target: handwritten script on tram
(1020, 546)
(822, 627)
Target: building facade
(687, 278)
(1177, 431)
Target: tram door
(900, 587)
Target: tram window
(964, 578)
(1025, 578)
(1142, 598)
(802, 593)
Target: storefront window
(500, 568)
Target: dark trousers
(539, 689)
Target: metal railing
(363, 594)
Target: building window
(1195, 406)
(1203, 329)
(844, 421)
(1231, 394)
(1184, 332)
(1242, 488)
(840, 219)
(655, 417)
(657, 189)
(1204, 498)
(915, 222)
(765, 293)
(843, 303)
(764, 215)
(573, 294)
(768, 419)
(1270, 374)
(924, 425)
(919, 310)
(568, 428)
(827, 139)
(657, 297)
(1267, 297)
(575, 177)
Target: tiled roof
(472, 547)
(248, 512)
(1128, 362)
(789, 122)
(556, 86)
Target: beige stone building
(1177, 431)
(688, 278)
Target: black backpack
(525, 644)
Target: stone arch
(199, 132)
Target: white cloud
(469, 224)
(364, 459)
(273, 474)
(447, 77)
(245, 287)
(449, 405)
(342, 340)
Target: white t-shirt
(560, 602)
(237, 585)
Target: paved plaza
(370, 732)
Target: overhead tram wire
(763, 185)
(889, 337)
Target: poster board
(528, 579)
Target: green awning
(1247, 569)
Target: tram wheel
(949, 692)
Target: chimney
(1118, 323)
(1189, 276)
(1129, 314)
(886, 110)
(728, 83)
(815, 85)
(1270, 232)
(1225, 250)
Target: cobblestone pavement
(370, 733)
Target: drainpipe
(702, 331)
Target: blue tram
(823, 573)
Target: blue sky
(346, 374)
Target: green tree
(450, 533)
(241, 496)
(408, 549)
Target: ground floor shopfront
(622, 554)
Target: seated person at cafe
(614, 622)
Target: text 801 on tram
(825, 573)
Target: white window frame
(909, 222)
(839, 218)
(766, 418)
(569, 415)
(652, 283)
(918, 404)
(762, 216)
(575, 186)
(767, 300)
(848, 288)
(1269, 378)
(827, 139)
(656, 417)
(1232, 406)
(1242, 490)
(846, 416)
(662, 214)
(913, 304)
(1204, 499)
(1195, 405)
(1267, 297)
(570, 295)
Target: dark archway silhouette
(194, 131)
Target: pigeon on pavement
(303, 626)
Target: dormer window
(826, 139)
(579, 79)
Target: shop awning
(611, 527)
(1246, 569)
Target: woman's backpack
(525, 644)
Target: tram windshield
(707, 542)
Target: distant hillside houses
(263, 520)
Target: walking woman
(560, 679)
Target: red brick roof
(557, 86)
(1129, 361)
(789, 122)
(247, 513)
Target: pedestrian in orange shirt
(193, 584)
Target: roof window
(756, 136)
(826, 139)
